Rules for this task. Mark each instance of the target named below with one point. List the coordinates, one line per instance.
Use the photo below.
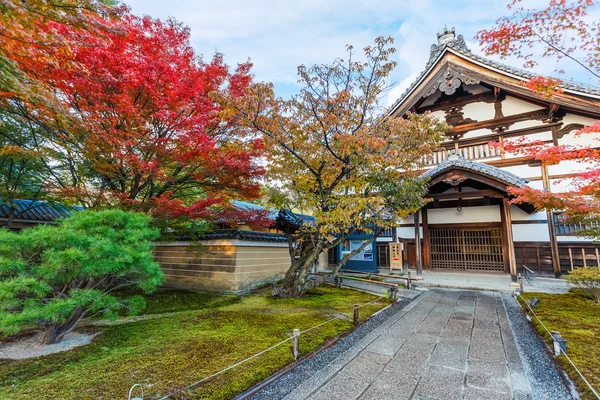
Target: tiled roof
(455, 160)
(245, 206)
(294, 218)
(251, 236)
(36, 210)
(458, 45)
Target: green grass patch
(577, 318)
(167, 353)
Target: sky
(277, 36)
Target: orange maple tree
(563, 31)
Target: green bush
(586, 279)
(56, 276)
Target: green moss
(168, 353)
(577, 318)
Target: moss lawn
(577, 318)
(167, 353)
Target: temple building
(470, 225)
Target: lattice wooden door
(467, 249)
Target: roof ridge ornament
(447, 38)
(454, 155)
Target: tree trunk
(295, 278)
(54, 333)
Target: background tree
(55, 276)
(334, 148)
(563, 31)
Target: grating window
(467, 249)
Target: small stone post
(355, 314)
(296, 340)
(560, 344)
(520, 279)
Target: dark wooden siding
(537, 256)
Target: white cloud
(280, 35)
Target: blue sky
(277, 36)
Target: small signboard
(395, 256)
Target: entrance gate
(477, 249)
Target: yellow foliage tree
(333, 147)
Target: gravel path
(545, 379)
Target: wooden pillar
(426, 244)
(508, 244)
(551, 227)
(418, 258)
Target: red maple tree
(133, 121)
(562, 31)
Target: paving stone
(463, 326)
(489, 376)
(340, 387)
(440, 383)
(386, 345)
(472, 393)
(410, 362)
(365, 367)
(451, 355)
(487, 351)
(392, 386)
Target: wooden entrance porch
(468, 246)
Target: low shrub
(586, 279)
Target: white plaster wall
(467, 215)
(406, 232)
(512, 105)
(479, 111)
(573, 239)
(524, 171)
(519, 215)
(569, 166)
(531, 233)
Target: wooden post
(508, 244)
(551, 227)
(418, 258)
(296, 341)
(355, 314)
(426, 244)
(584, 257)
(571, 258)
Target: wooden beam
(418, 258)
(426, 244)
(487, 97)
(467, 195)
(462, 203)
(495, 137)
(551, 227)
(508, 245)
(504, 121)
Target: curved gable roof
(457, 161)
(449, 43)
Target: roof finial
(446, 35)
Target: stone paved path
(447, 344)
